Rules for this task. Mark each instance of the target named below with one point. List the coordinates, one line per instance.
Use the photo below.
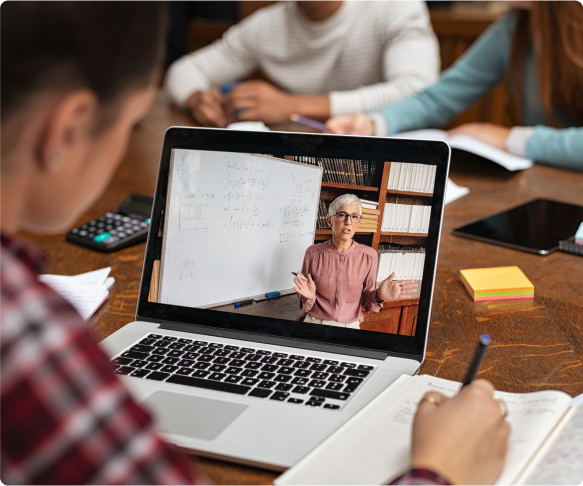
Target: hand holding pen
(304, 286)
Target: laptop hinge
(266, 339)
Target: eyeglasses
(354, 218)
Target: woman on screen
(537, 50)
(338, 277)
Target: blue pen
(243, 302)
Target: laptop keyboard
(293, 378)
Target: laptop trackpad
(202, 418)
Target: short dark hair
(109, 47)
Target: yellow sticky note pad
(497, 283)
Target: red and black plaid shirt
(66, 418)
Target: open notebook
(545, 447)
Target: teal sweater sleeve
(473, 75)
(553, 146)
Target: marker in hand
(479, 353)
(301, 276)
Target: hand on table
(495, 135)
(393, 290)
(464, 439)
(207, 109)
(307, 289)
(351, 125)
(259, 101)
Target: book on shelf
(411, 177)
(374, 447)
(342, 171)
(406, 218)
(367, 204)
(407, 264)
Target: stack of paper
(497, 283)
(579, 235)
(86, 292)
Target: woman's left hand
(495, 135)
(392, 290)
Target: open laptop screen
(235, 213)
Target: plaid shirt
(420, 476)
(66, 418)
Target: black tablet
(536, 226)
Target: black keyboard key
(265, 375)
(318, 399)
(320, 376)
(249, 373)
(200, 365)
(201, 343)
(286, 370)
(314, 360)
(206, 350)
(215, 345)
(267, 367)
(206, 358)
(124, 370)
(217, 376)
(296, 357)
(187, 362)
(337, 378)
(155, 336)
(301, 389)
(299, 381)
(354, 381)
(349, 388)
(161, 344)
(295, 400)
(283, 378)
(154, 366)
(329, 406)
(301, 365)
(252, 366)
(140, 373)
(280, 355)
(169, 338)
(263, 352)
(142, 349)
(357, 373)
(148, 341)
(285, 362)
(304, 373)
(237, 355)
(154, 358)
(330, 362)
(334, 386)
(135, 355)
(247, 350)
(190, 355)
(330, 394)
(280, 396)
(191, 348)
(348, 365)
(284, 387)
(184, 371)
(249, 381)
(217, 367)
(318, 367)
(317, 383)
(158, 376)
(313, 403)
(160, 350)
(176, 346)
(233, 370)
(253, 357)
(169, 369)
(222, 352)
(170, 361)
(237, 362)
(209, 384)
(233, 379)
(335, 369)
(260, 393)
(266, 384)
(127, 361)
(175, 354)
(365, 367)
(232, 348)
(185, 341)
(139, 363)
(200, 374)
(269, 359)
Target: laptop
(219, 351)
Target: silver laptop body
(274, 431)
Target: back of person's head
(107, 47)
(554, 30)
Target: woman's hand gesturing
(391, 290)
(306, 288)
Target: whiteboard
(236, 226)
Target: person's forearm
(560, 147)
(312, 106)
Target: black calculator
(127, 225)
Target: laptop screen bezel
(319, 145)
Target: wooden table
(537, 344)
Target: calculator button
(82, 233)
(117, 216)
(101, 224)
(143, 225)
(90, 235)
(112, 239)
(108, 227)
(101, 237)
(125, 219)
(75, 230)
(121, 235)
(136, 228)
(109, 215)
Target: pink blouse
(345, 282)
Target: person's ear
(329, 221)
(68, 124)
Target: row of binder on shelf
(412, 177)
(343, 171)
(406, 218)
(407, 265)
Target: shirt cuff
(381, 128)
(344, 103)
(516, 141)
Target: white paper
(453, 191)
(249, 126)
(86, 292)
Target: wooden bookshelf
(392, 192)
(415, 235)
(350, 187)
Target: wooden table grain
(537, 344)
